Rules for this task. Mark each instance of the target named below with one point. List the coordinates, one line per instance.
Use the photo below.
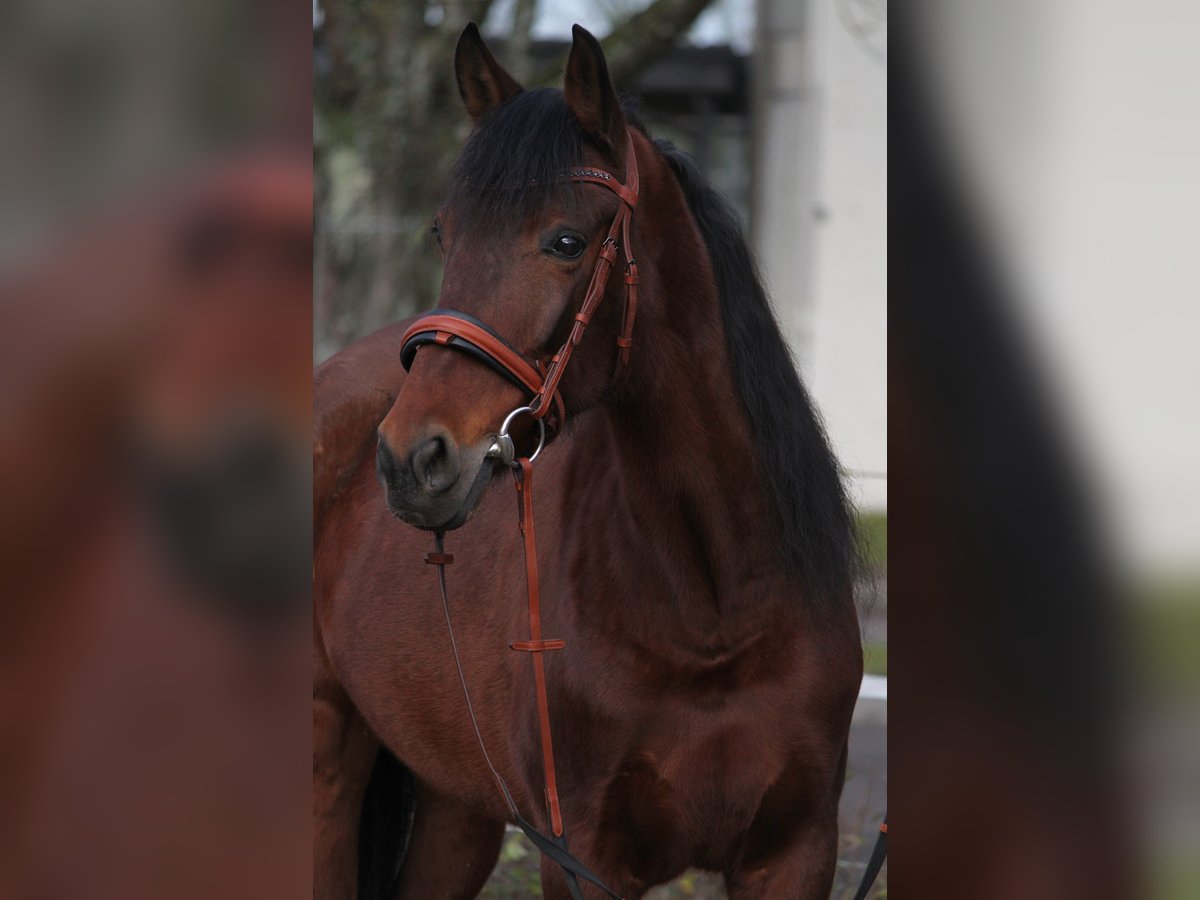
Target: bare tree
(386, 128)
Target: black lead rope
(557, 850)
(875, 863)
(554, 848)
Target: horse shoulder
(352, 392)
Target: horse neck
(678, 453)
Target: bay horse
(696, 545)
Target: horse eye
(568, 246)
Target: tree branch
(640, 39)
(520, 62)
(650, 34)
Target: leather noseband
(462, 331)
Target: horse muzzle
(434, 483)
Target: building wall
(820, 219)
(1080, 163)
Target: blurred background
(173, 260)
(1046, 503)
(784, 106)
(155, 409)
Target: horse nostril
(385, 461)
(435, 464)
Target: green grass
(1166, 623)
(1175, 878)
(875, 657)
(873, 538)
(518, 873)
(873, 548)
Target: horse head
(525, 229)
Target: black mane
(814, 512)
(515, 159)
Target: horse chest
(694, 782)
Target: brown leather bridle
(462, 332)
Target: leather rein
(460, 331)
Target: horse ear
(482, 82)
(591, 97)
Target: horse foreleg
(803, 867)
(343, 753)
(451, 851)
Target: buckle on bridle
(502, 447)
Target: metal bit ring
(502, 448)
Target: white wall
(1076, 126)
(820, 220)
